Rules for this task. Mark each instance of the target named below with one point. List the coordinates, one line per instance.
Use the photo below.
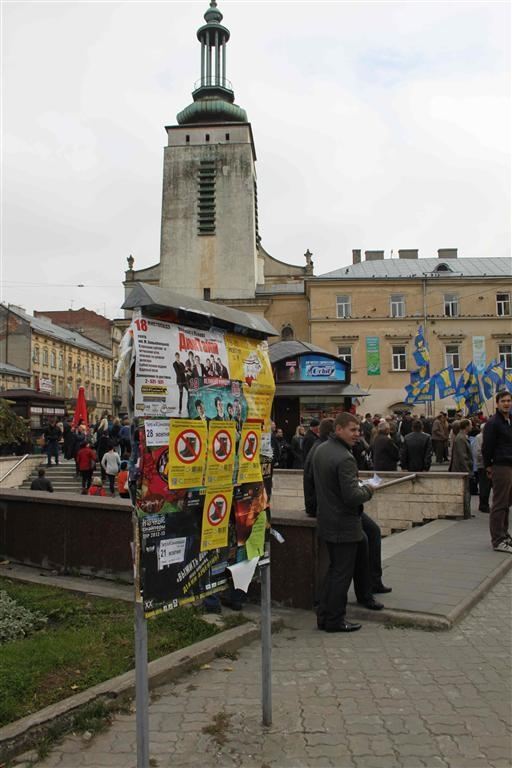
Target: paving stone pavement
(378, 698)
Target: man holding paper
(340, 500)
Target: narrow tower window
(187, 139)
(207, 137)
(206, 294)
(206, 198)
(227, 136)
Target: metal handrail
(213, 80)
(15, 467)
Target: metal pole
(266, 640)
(141, 661)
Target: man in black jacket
(384, 449)
(340, 499)
(497, 455)
(370, 528)
(416, 451)
(52, 435)
(310, 438)
(41, 483)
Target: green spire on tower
(213, 93)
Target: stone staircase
(61, 476)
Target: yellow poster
(249, 363)
(188, 441)
(220, 461)
(249, 468)
(216, 510)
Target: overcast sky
(378, 125)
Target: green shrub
(17, 621)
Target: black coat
(497, 444)
(416, 453)
(309, 440)
(308, 481)
(385, 454)
(339, 496)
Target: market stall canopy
(177, 308)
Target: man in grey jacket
(340, 500)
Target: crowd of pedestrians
(104, 446)
(333, 452)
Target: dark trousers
(374, 537)
(52, 449)
(501, 502)
(484, 490)
(86, 477)
(112, 483)
(440, 449)
(347, 561)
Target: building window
(345, 354)
(187, 138)
(61, 361)
(343, 306)
(287, 333)
(503, 304)
(452, 356)
(505, 354)
(206, 198)
(227, 136)
(207, 137)
(108, 394)
(53, 359)
(207, 294)
(451, 305)
(398, 358)
(97, 370)
(103, 372)
(45, 356)
(397, 305)
(35, 355)
(79, 364)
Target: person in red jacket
(97, 488)
(86, 461)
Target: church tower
(209, 231)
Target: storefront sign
(44, 385)
(310, 368)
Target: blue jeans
(52, 449)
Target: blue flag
(445, 381)
(427, 392)
(421, 354)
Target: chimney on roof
(447, 253)
(408, 253)
(356, 257)
(373, 255)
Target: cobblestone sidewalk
(378, 698)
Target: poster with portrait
(171, 359)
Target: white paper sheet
(243, 572)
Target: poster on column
(216, 511)
(187, 453)
(249, 468)
(172, 359)
(174, 570)
(249, 363)
(249, 501)
(220, 462)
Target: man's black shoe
(345, 626)
(381, 589)
(372, 604)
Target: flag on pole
(427, 392)
(421, 354)
(445, 381)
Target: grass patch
(85, 641)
